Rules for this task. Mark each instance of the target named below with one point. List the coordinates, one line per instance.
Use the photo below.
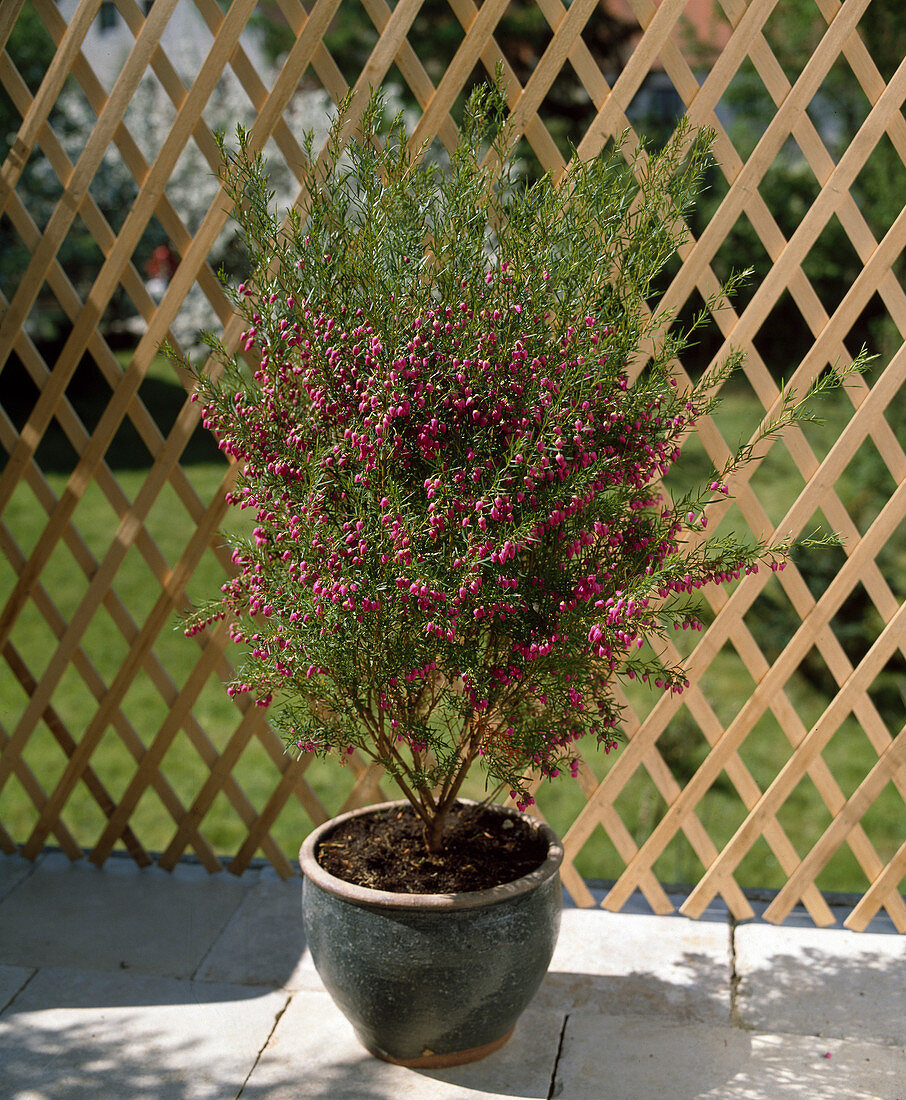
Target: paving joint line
(221, 932)
(14, 996)
(736, 1019)
(277, 1018)
(556, 1065)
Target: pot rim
(386, 899)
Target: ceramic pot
(431, 980)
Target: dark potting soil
(386, 851)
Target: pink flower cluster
(458, 502)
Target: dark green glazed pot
(431, 980)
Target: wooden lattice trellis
(659, 45)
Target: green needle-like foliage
(461, 539)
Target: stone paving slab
(264, 941)
(314, 1053)
(73, 1034)
(632, 1058)
(620, 963)
(815, 981)
(13, 870)
(89, 961)
(118, 917)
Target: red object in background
(163, 263)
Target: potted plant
(461, 539)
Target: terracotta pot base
(443, 1061)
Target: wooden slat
(836, 660)
(630, 79)
(9, 13)
(137, 165)
(78, 339)
(566, 34)
(688, 86)
(100, 439)
(889, 762)
(159, 616)
(289, 783)
(738, 903)
(534, 129)
(66, 742)
(67, 207)
(820, 211)
(151, 761)
(458, 71)
(118, 614)
(153, 668)
(48, 93)
(367, 788)
(792, 772)
(776, 133)
(216, 780)
(751, 710)
(882, 891)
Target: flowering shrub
(461, 540)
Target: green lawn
(145, 706)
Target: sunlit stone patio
(137, 983)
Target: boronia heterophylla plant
(461, 539)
